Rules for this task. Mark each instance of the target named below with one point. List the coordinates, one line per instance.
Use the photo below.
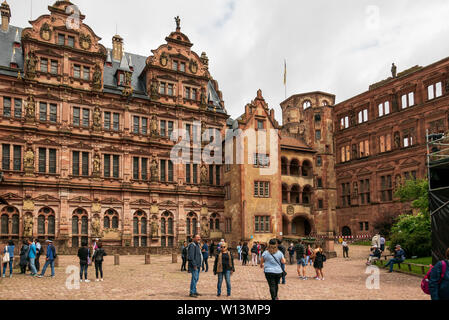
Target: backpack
(323, 257)
(425, 281)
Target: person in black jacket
(98, 260)
(184, 256)
(438, 282)
(195, 259)
(245, 251)
(24, 257)
(84, 256)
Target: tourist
(399, 257)
(282, 249)
(245, 252)
(271, 262)
(195, 259)
(84, 256)
(97, 258)
(205, 253)
(309, 253)
(224, 267)
(212, 249)
(375, 241)
(94, 246)
(318, 261)
(38, 254)
(184, 256)
(32, 257)
(382, 243)
(439, 282)
(239, 251)
(259, 251)
(301, 260)
(8, 257)
(291, 253)
(50, 259)
(24, 257)
(345, 246)
(254, 254)
(375, 253)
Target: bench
(409, 265)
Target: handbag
(89, 261)
(284, 273)
(6, 256)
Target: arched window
(192, 220)
(5, 221)
(284, 193)
(294, 168)
(306, 168)
(84, 225)
(111, 220)
(284, 166)
(215, 222)
(135, 225)
(41, 224)
(306, 104)
(9, 214)
(51, 225)
(75, 225)
(114, 222)
(294, 194)
(106, 222)
(80, 227)
(140, 231)
(15, 224)
(143, 225)
(306, 195)
(170, 226)
(163, 228)
(167, 228)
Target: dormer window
(260, 124)
(71, 41)
(121, 79)
(307, 104)
(175, 65)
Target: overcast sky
(340, 47)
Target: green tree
(416, 191)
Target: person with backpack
(271, 261)
(254, 254)
(50, 259)
(97, 258)
(84, 256)
(301, 260)
(318, 262)
(439, 280)
(399, 257)
(8, 257)
(245, 251)
(24, 257)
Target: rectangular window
(320, 204)
(17, 164)
(262, 224)
(319, 182)
(86, 73)
(17, 108)
(162, 88)
(260, 124)
(408, 100)
(107, 165)
(44, 65)
(163, 176)
(115, 166)
(195, 173)
(363, 116)
(6, 157)
(52, 161)
(144, 125)
(135, 168)
(86, 117)
(261, 189)
(85, 164)
(211, 174)
(116, 122)
(42, 111)
(170, 128)
(54, 67)
(136, 124)
(217, 175)
(194, 94)
(77, 71)
(183, 67)
(187, 92)
(162, 128)
(107, 121)
(144, 163)
(170, 90)
(42, 160)
(6, 107)
(189, 131)
(61, 39)
(188, 173)
(76, 116)
(318, 135)
(170, 171)
(175, 65)
(53, 113)
(386, 188)
(71, 41)
(438, 90)
(75, 163)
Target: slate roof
(131, 61)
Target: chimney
(117, 48)
(6, 15)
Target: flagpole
(285, 77)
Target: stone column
(116, 259)
(147, 258)
(174, 258)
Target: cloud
(336, 46)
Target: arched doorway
(346, 231)
(285, 224)
(301, 227)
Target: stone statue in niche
(97, 119)
(30, 65)
(154, 228)
(154, 89)
(154, 170)
(203, 174)
(28, 225)
(203, 98)
(96, 165)
(153, 126)
(205, 232)
(30, 108)
(28, 161)
(397, 140)
(355, 187)
(96, 229)
(96, 78)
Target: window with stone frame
(80, 163)
(363, 116)
(262, 224)
(384, 108)
(436, 126)
(435, 90)
(385, 143)
(54, 67)
(346, 194)
(7, 107)
(44, 65)
(345, 153)
(408, 100)
(365, 191)
(261, 189)
(344, 122)
(386, 188)
(410, 175)
(408, 138)
(364, 149)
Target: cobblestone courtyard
(162, 280)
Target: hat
(49, 241)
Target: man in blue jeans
(10, 249)
(51, 255)
(399, 257)
(32, 257)
(195, 260)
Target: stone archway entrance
(301, 227)
(346, 231)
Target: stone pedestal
(116, 259)
(57, 262)
(174, 258)
(147, 258)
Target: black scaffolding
(438, 172)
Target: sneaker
(81, 280)
(301, 278)
(305, 278)
(40, 276)
(97, 280)
(87, 280)
(322, 279)
(3, 276)
(316, 278)
(101, 280)
(52, 277)
(192, 295)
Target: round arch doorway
(301, 227)
(346, 231)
